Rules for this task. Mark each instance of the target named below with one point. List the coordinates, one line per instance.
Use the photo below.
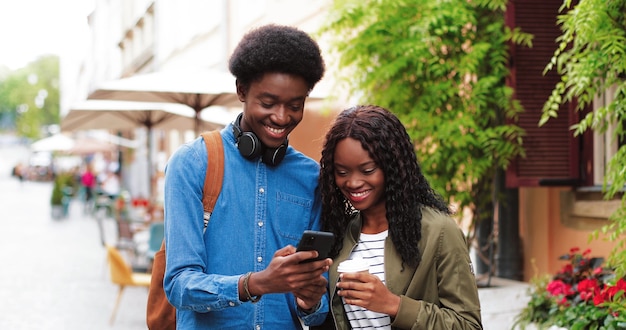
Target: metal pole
(509, 262)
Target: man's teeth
(276, 130)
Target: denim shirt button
(231, 304)
(260, 223)
(257, 327)
(208, 309)
(261, 190)
(259, 259)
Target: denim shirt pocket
(295, 215)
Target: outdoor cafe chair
(157, 230)
(123, 275)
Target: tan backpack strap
(160, 314)
(214, 170)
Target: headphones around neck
(250, 146)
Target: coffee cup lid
(353, 266)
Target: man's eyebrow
(269, 95)
(275, 97)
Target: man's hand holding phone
(308, 297)
(319, 241)
(298, 270)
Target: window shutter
(552, 152)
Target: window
(605, 144)
(136, 45)
(554, 157)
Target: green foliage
(57, 193)
(441, 67)
(30, 96)
(539, 306)
(591, 59)
(63, 184)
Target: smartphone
(319, 241)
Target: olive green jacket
(440, 293)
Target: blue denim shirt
(260, 209)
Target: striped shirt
(370, 247)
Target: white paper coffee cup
(354, 266)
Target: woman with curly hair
(381, 208)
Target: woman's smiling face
(358, 176)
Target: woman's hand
(368, 291)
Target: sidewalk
(501, 303)
(54, 272)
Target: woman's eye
(369, 170)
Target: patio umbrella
(56, 142)
(198, 89)
(89, 146)
(123, 115)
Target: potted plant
(62, 191)
(582, 295)
(56, 200)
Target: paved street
(54, 273)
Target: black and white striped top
(370, 247)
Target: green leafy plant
(582, 295)
(62, 182)
(441, 66)
(57, 192)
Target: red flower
(609, 292)
(588, 285)
(621, 284)
(606, 295)
(563, 301)
(597, 271)
(567, 269)
(558, 287)
(140, 202)
(598, 299)
(587, 288)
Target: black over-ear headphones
(251, 147)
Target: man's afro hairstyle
(277, 48)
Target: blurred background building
(137, 37)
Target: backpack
(161, 315)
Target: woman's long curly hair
(406, 189)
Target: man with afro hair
(242, 270)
